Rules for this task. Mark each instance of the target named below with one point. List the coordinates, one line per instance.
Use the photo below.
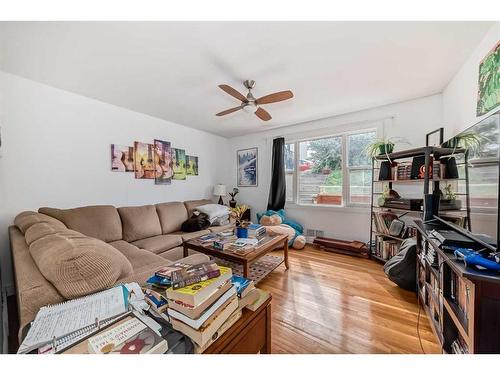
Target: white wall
(56, 152)
(460, 95)
(411, 119)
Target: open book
(63, 324)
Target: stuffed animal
(277, 223)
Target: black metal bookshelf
(430, 154)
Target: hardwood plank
(333, 303)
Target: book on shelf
(204, 334)
(129, 336)
(383, 220)
(386, 248)
(195, 294)
(205, 317)
(458, 346)
(194, 274)
(459, 293)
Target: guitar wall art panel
(179, 163)
(122, 158)
(163, 162)
(143, 161)
(191, 165)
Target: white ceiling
(171, 70)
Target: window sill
(327, 207)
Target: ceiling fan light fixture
(250, 108)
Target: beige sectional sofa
(59, 254)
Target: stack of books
(199, 310)
(386, 248)
(383, 221)
(256, 230)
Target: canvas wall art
(179, 163)
(162, 162)
(191, 165)
(488, 96)
(122, 158)
(143, 160)
(247, 167)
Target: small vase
(241, 232)
(232, 203)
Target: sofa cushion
(190, 235)
(78, 265)
(139, 222)
(138, 258)
(159, 244)
(28, 218)
(32, 288)
(102, 222)
(171, 215)
(191, 205)
(40, 230)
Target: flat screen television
(484, 171)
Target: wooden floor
(330, 303)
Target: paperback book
(194, 274)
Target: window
(329, 170)
(360, 167)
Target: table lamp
(220, 190)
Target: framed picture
(434, 138)
(191, 165)
(143, 160)
(163, 162)
(122, 158)
(247, 167)
(488, 90)
(179, 163)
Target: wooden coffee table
(265, 245)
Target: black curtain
(277, 192)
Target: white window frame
(346, 192)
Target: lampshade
(220, 190)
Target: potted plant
(449, 199)
(232, 202)
(383, 146)
(387, 193)
(469, 140)
(241, 225)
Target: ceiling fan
(250, 104)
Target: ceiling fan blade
(234, 93)
(275, 97)
(263, 114)
(228, 111)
